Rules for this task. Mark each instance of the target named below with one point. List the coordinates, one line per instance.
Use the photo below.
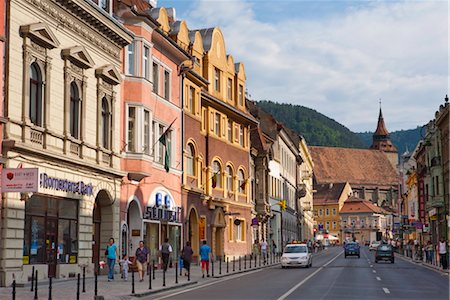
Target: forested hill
(319, 130)
(316, 128)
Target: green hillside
(319, 130)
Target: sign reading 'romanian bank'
(64, 185)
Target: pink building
(151, 104)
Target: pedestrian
(274, 247)
(255, 249)
(125, 264)
(165, 249)
(142, 259)
(205, 253)
(430, 249)
(264, 249)
(111, 255)
(186, 256)
(442, 248)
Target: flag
(242, 186)
(214, 180)
(164, 139)
(282, 204)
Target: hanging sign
(22, 180)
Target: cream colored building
(63, 106)
(305, 189)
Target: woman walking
(111, 254)
(186, 255)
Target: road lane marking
(285, 295)
(378, 278)
(386, 290)
(374, 271)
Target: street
(331, 277)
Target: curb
(245, 271)
(424, 265)
(150, 292)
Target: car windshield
(385, 247)
(352, 244)
(296, 249)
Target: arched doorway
(134, 221)
(218, 230)
(102, 226)
(193, 232)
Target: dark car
(351, 248)
(384, 252)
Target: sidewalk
(120, 289)
(425, 264)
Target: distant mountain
(319, 130)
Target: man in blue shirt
(205, 253)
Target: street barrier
(78, 286)
(36, 285)
(234, 264)
(14, 289)
(245, 261)
(150, 277)
(84, 280)
(132, 281)
(212, 267)
(228, 261)
(153, 269)
(176, 273)
(164, 277)
(220, 266)
(32, 279)
(95, 283)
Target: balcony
(435, 202)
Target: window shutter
(224, 126)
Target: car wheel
(283, 267)
(392, 261)
(376, 261)
(359, 256)
(345, 255)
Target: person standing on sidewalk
(205, 253)
(112, 254)
(125, 263)
(186, 256)
(442, 248)
(274, 248)
(264, 249)
(165, 249)
(141, 259)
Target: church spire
(381, 140)
(381, 127)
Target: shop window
(240, 231)
(40, 213)
(229, 175)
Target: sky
(337, 57)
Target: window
(334, 211)
(217, 124)
(217, 175)
(153, 137)
(241, 95)
(161, 146)
(229, 175)
(320, 212)
(106, 124)
(131, 129)
(192, 100)
(74, 110)
(155, 78)
(146, 143)
(130, 59)
(241, 135)
(105, 5)
(328, 225)
(36, 95)
(327, 212)
(166, 85)
(190, 156)
(241, 182)
(145, 61)
(240, 231)
(54, 220)
(334, 224)
(216, 80)
(230, 131)
(230, 89)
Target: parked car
(352, 248)
(295, 255)
(374, 245)
(384, 252)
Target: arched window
(75, 102)
(229, 176)
(217, 175)
(241, 182)
(36, 95)
(106, 123)
(190, 159)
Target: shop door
(96, 221)
(50, 240)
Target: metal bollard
(212, 267)
(239, 262)
(259, 260)
(78, 286)
(132, 282)
(228, 261)
(164, 277)
(95, 283)
(189, 273)
(233, 264)
(255, 261)
(14, 289)
(245, 261)
(220, 266)
(36, 285)
(176, 273)
(84, 279)
(32, 279)
(153, 269)
(150, 277)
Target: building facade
(64, 72)
(306, 190)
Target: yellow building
(328, 201)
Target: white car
(296, 255)
(374, 245)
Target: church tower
(382, 141)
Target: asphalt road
(331, 277)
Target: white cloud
(341, 65)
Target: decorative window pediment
(109, 74)
(78, 56)
(41, 34)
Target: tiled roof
(356, 205)
(359, 167)
(328, 193)
(141, 6)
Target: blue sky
(338, 57)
